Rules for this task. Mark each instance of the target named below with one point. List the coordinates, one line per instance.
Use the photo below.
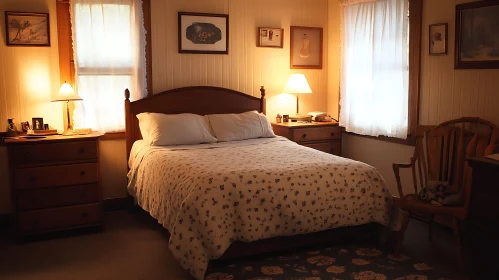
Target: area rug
(347, 262)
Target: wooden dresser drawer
(327, 147)
(63, 217)
(53, 152)
(56, 197)
(316, 134)
(56, 176)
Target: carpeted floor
(132, 247)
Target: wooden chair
(440, 155)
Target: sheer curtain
(109, 54)
(375, 67)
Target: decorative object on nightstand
(323, 136)
(55, 182)
(66, 93)
(297, 84)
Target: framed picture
(270, 37)
(477, 35)
(37, 124)
(25, 126)
(203, 33)
(438, 39)
(27, 29)
(306, 47)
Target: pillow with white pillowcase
(179, 129)
(234, 127)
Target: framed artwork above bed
(203, 33)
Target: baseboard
(117, 204)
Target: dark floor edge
(108, 205)
(117, 204)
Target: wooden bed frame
(205, 100)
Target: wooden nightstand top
(51, 138)
(304, 124)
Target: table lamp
(297, 84)
(66, 93)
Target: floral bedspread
(211, 195)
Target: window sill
(410, 141)
(113, 136)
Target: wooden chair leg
(400, 234)
(457, 234)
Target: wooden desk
(482, 225)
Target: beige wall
(28, 78)
(445, 94)
(247, 67)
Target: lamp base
(69, 132)
(300, 118)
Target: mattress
(211, 195)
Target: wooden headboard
(200, 100)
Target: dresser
(322, 136)
(55, 182)
(482, 225)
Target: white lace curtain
(375, 68)
(109, 53)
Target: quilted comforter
(211, 195)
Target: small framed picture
(12, 124)
(37, 123)
(270, 37)
(25, 126)
(438, 39)
(27, 29)
(203, 33)
(306, 47)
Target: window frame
(66, 59)
(415, 40)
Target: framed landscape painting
(27, 29)
(477, 35)
(203, 33)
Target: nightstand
(55, 182)
(322, 136)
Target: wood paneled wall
(246, 67)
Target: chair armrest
(396, 170)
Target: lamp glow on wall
(66, 93)
(297, 84)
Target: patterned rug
(347, 262)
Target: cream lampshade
(66, 93)
(297, 84)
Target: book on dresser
(55, 182)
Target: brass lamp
(297, 84)
(66, 93)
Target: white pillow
(233, 127)
(181, 129)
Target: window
(109, 51)
(376, 88)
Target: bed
(211, 197)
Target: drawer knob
(84, 214)
(27, 154)
(35, 221)
(332, 133)
(82, 173)
(304, 135)
(82, 150)
(32, 178)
